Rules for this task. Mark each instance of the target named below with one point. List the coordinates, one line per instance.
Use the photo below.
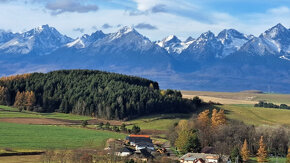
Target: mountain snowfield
(228, 61)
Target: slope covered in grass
(256, 115)
(20, 136)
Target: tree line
(92, 93)
(271, 105)
(212, 132)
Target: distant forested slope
(93, 93)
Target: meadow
(257, 116)
(22, 136)
(10, 112)
(158, 122)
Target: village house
(124, 152)
(133, 140)
(204, 158)
(144, 145)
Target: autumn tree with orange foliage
(20, 100)
(30, 100)
(25, 100)
(203, 125)
(262, 151)
(218, 118)
(245, 152)
(203, 119)
(15, 77)
(3, 96)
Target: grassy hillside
(10, 112)
(238, 97)
(257, 116)
(21, 136)
(159, 121)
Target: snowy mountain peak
(86, 40)
(189, 39)
(126, 29)
(43, 27)
(207, 35)
(41, 40)
(168, 41)
(276, 31)
(232, 41)
(231, 33)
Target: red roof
(140, 136)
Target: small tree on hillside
(123, 127)
(135, 129)
(84, 123)
(101, 125)
(262, 151)
(107, 126)
(245, 151)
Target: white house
(143, 145)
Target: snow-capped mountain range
(44, 40)
(127, 51)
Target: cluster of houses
(204, 158)
(141, 147)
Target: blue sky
(155, 19)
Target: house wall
(212, 160)
(122, 154)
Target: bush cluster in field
(271, 105)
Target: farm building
(200, 157)
(135, 139)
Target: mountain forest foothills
(91, 93)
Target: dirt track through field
(39, 121)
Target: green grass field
(257, 116)
(10, 112)
(20, 136)
(158, 122)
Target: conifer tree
(245, 151)
(221, 118)
(20, 100)
(30, 100)
(218, 118)
(214, 118)
(3, 96)
(203, 119)
(262, 151)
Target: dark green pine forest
(92, 93)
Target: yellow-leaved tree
(214, 118)
(245, 153)
(30, 100)
(20, 100)
(3, 96)
(218, 118)
(203, 119)
(262, 151)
